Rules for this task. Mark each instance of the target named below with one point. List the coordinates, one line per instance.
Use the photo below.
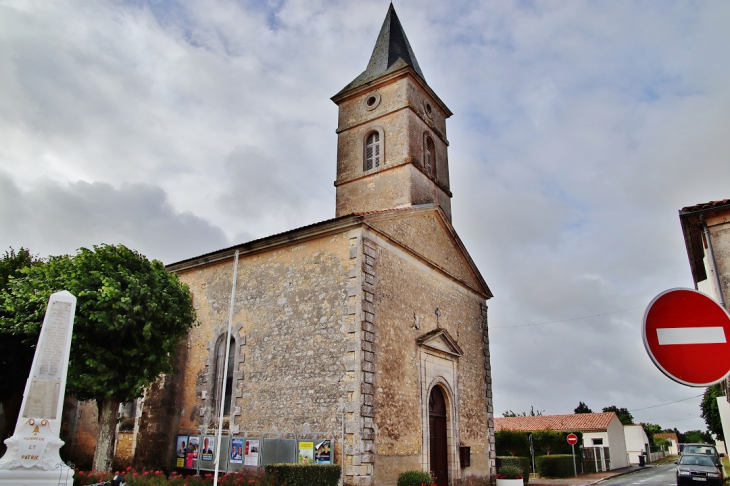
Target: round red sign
(572, 439)
(686, 335)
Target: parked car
(698, 468)
(708, 450)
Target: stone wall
(411, 300)
(290, 325)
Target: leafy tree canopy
(710, 412)
(650, 430)
(623, 414)
(130, 315)
(533, 413)
(582, 408)
(695, 436)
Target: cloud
(579, 131)
(53, 219)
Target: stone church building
(369, 329)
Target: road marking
(691, 335)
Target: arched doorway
(438, 436)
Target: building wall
(617, 444)
(289, 322)
(636, 442)
(407, 295)
(719, 227)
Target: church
(367, 332)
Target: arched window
(220, 358)
(372, 150)
(429, 156)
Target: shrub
(509, 472)
(555, 466)
(414, 478)
(305, 475)
(522, 462)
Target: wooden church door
(438, 437)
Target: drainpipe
(713, 264)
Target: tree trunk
(104, 452)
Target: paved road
(653, 476)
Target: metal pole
(575, 469)
(225, 371)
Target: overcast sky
(579, 130)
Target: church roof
(391, 53)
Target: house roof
(668, 435)
(392, 52)
(691, 219)
(578, 421)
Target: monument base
(36, 477)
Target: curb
(619, 474)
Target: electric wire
(569, 320)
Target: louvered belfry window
(429, 158)
(372, 151)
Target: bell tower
(392, 150)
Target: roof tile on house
(576, 421)
(668, 435)
(705, 206)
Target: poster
(208, 448)
(322, 453)
(306, 453)
(182, 446)
(236, 451)
(252, 453)
(193, 445)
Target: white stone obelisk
(33, 458)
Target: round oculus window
(427, 107)
(371, 100)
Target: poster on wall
(252, 453)
(208, 449)
(192, 452)
(306, 453)
(322, 453)
(182, 450)
(193, 445)
(236, 451)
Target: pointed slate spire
(392, 52)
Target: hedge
(305, 475)
(555, 466)
(545, 442)
(522, 462)
(414, 478)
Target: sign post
(573, 440)
(686, 334)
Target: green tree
(710, 412)
(130, 316)
(697, 436)
(623, 414)
(582, 408)
(650, 430)
(15, 358)
(533, 413)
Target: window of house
(597, 442)
(372, 150)
(429, 159)
(220, 370)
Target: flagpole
(225, 371)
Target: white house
(604, 445)
(637, 442)
(671, 437)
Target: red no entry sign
(686, 334)
(572, 439)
